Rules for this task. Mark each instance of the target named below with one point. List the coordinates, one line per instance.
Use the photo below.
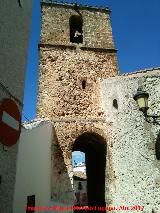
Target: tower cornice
(76, 6)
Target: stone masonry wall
(63, 69)
(136, 169)
(67, 133)
(97, 30)
(61, 73)
(73, 110)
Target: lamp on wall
(141, 97)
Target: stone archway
(94, 147)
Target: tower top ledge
(75, 6)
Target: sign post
(10, 122)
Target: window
(20, 3)
(77, 195)
(157, 147)
(76, 34)
(79, 186)
(83, 84)
(30, 203)
(115, 104)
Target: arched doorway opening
(94, 147)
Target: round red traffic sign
(10, 122)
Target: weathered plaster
(133, 151)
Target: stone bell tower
(76, 51)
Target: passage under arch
(94, 147)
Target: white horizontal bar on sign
(10, 121)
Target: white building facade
(15, 24)
(33, 176)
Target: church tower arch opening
(76, 24)
(94, 147)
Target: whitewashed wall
(34, 167)
(15, 25)
(136, 171)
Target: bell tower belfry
(76, 50)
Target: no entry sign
(10, 122)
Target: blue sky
(136, 31)
(77, 157)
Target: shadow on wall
(62, 190)
(157, 147)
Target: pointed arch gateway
(94, 147)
